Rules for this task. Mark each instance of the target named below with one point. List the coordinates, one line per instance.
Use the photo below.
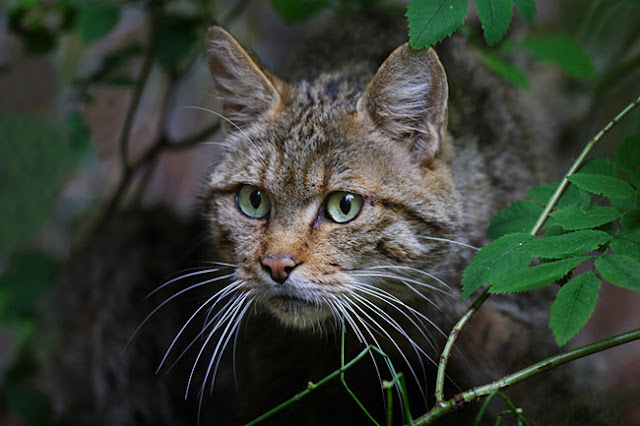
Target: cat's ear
(407, 100)
(246, 90)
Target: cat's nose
(279, 267)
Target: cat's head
(329, 190)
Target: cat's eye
(343, 206)
(253, 201)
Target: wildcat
(352, 192)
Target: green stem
(446, 353)
(548, 364)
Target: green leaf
(494, 260)
(430, 21)
(627, 243)
(610, 187)
(577, 217)
(535, 276)
(631, 218)
(297, 10)
(527, 9)
(95, 20)
(567, 245)
(600, 166)
(628, 156)
(573, 306)
(505, 70)
(571, 195)
(564, 52)
(520, 216)
(619, 270)
(495, 16)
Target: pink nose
(279, 267)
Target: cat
(352, 192)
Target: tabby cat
(352, 191)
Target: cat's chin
(297, 313)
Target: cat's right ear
(247, 91)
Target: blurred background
(104, 105)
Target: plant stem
(548, 364)
(446, 353)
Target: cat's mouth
(293, 310)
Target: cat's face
(327, 190)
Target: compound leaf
(527, 9)
(627, 243)
(564, 52)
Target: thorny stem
(548, 364)
(446, 353)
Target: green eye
(343, 206)
(253, 201)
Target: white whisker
(446, 240)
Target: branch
(446, 353)
(548, 364)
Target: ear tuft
(246, 90)
(407, 101)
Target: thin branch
(548, 364)
(446, 353)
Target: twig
(446, 353)
(548, 364)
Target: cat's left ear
(407, 101)
(247, 90)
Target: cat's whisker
(157, 308)
(398, 304)
(388, 275)
(446, 240)
(215, 299)
(198, 271)
(385, 317)
(217, 114)
(227, 317)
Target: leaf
(535, 276)
(627, 243)
(430, 21)
(564, 52)
(298, 10)
(527, 9)
(610, 187)
(95, 20)
(573, 306)
(505, 70)
(495, 16)
(631, 218)
(520, 216)
(628, 156)
(567, 245)
(577, 217)
(600, 166)
(620, 270)
(571, 195)
(494, 260)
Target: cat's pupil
(255, 199)
(345, 203)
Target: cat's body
(353, 192)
